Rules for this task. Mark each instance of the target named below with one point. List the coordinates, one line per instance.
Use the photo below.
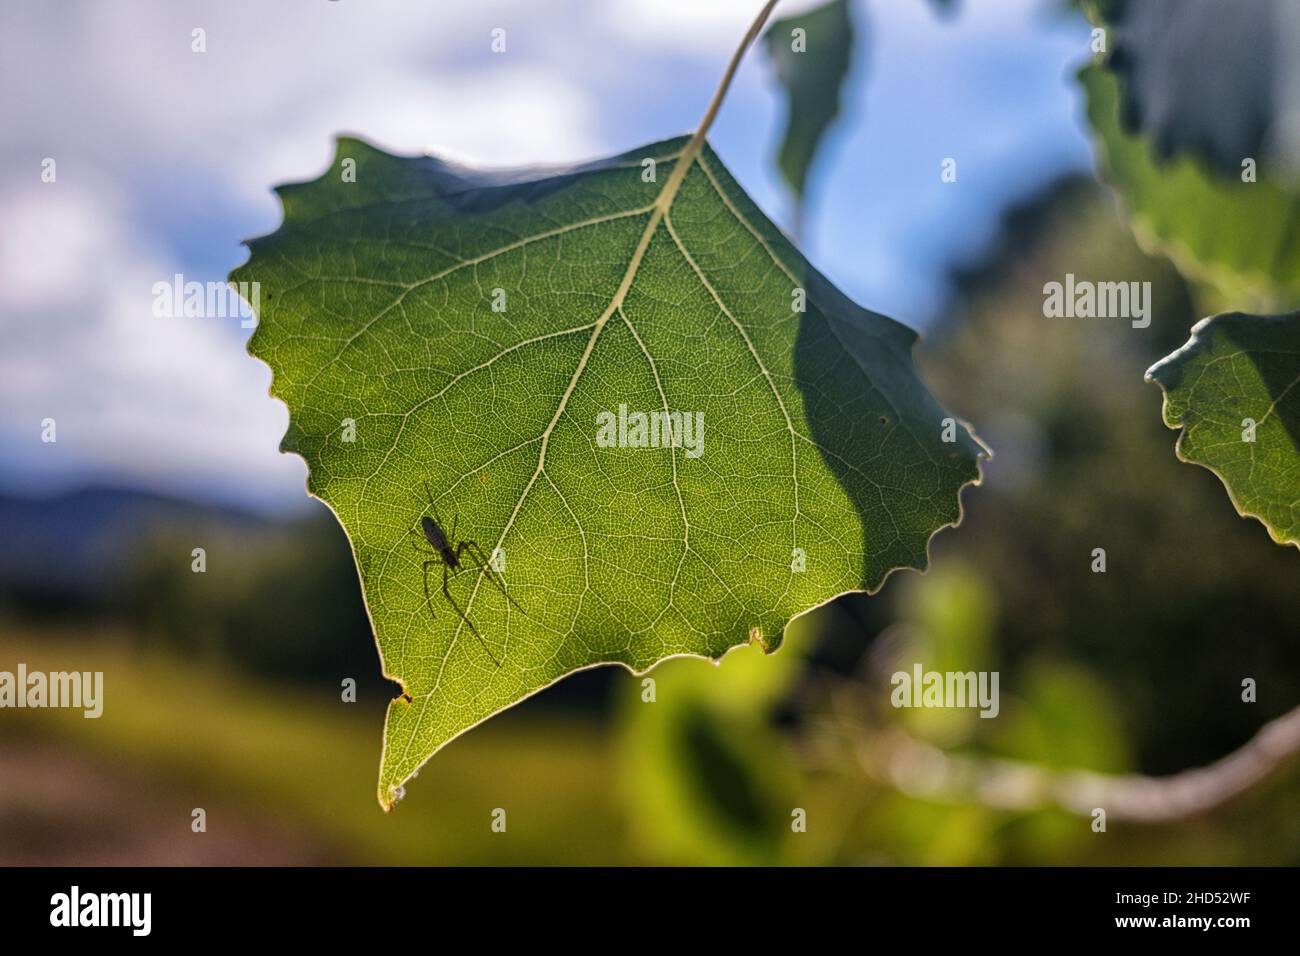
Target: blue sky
(165, 158)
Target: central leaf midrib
(658, 217)
(659, 210)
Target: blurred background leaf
(1239, 239)
(811, 54)
(707, 776)
(1198, 77)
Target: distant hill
(78, 543)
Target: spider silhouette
(449, 553)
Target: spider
(448, 553)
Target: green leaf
(1241, 238)
(1234, 371)
(673, 294)
(811, 66)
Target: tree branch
(924, 770)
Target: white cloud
(697, 25)
(49, 235)
(135, 397)
(513, 117)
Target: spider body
(437, 539)
(449, 553)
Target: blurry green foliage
(1190, 602)
(707, 776)
(295, 760)
(1062, 717)
(280, 600)
(952, 617)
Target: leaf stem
(697, 140)
(754, 29)
(919, 768)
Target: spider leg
(484, 566)
(446, 592)
(428, 599)
(415, 542)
